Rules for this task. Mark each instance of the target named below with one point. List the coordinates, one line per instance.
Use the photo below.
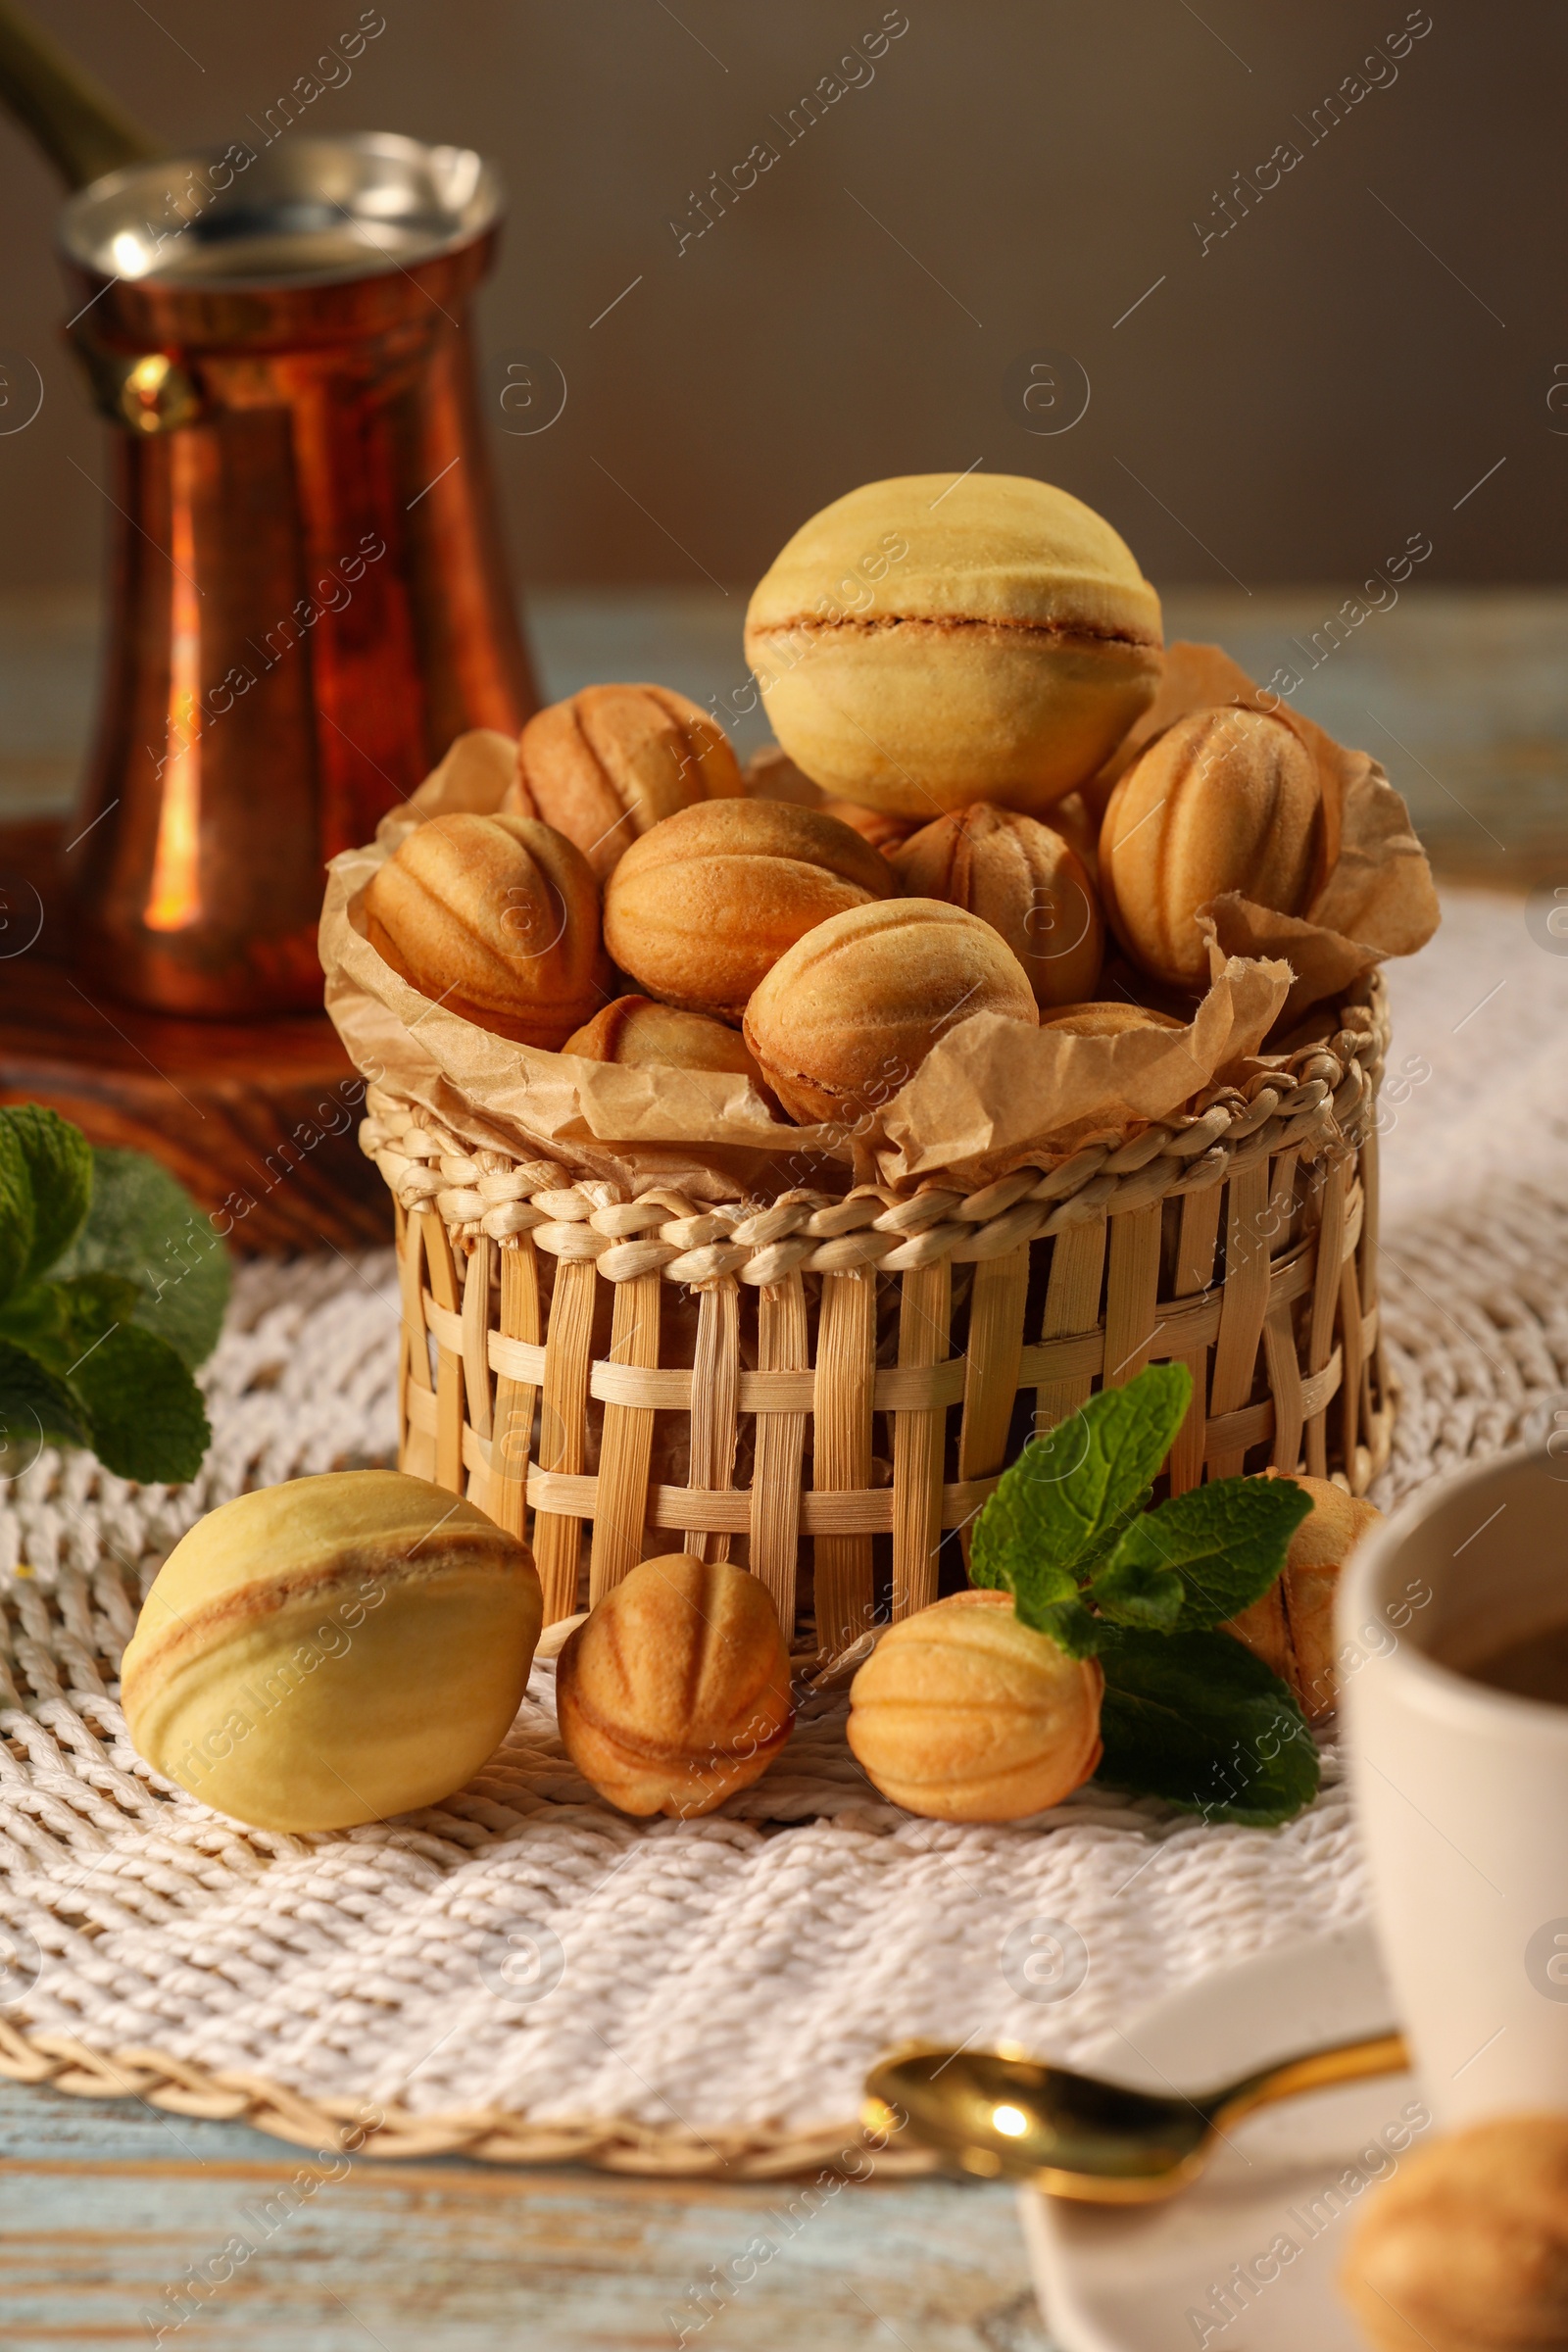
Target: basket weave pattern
(1239, 1240)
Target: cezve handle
(78, 124)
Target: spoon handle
(1319, 2069)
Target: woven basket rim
(490, 2135)
(483, 1190)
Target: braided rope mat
(523, 1974)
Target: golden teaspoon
(1073, 2136)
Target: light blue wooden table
(105, 2210)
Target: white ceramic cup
(1463, 1790)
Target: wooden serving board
(257, 1119)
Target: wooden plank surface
(107, 2211)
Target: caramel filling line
(866, 624)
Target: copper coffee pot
(309, 596)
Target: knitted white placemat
(525, 1952)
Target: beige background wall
(1292, 403)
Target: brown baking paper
(992, 1096)
(1378, 899)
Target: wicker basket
(827, 1388)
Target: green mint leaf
(1225, 1544)
(1196, 1719)
(1103, 1548)
(1137, 1591)
(59, 1322)
(146, 1414)
(91, 1304)
(988, 1560)
(35, 1404)
(1036, 1584)
(1071, 1626)
(144, 1226)
(59, 1160)
(1071, 1492)
(17, 1213)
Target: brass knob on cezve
(147, 391)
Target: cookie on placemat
(676, 1690)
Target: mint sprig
(112, 1290)
(1196, 1719)
(1063, 1507)
(1223, 1545)
(1188, 1711)
(58, 1160)
(32, 1396)
(146, 1228)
